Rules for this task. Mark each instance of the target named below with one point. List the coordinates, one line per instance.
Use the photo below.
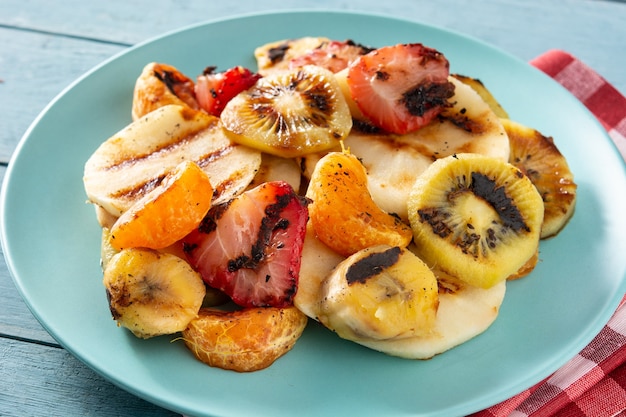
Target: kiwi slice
(475, 217)
(290, 114)
(538, 157)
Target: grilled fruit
(134, 161)
(245, 340)
(317, 262)
(400, 88)
(290, 114)
(275, 168)
(152, 293)
(379, 293)
(166, 214)
(393, 162)
(159, 85)
(275, 56)
(464, 312)
(214, 89)
(342, 212)
(475, 217)
(107, 251)
(250, 247)
(333, 55)
(484, 93)
(538, 157)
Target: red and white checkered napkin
(593, 383)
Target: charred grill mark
(217, 154)
(364, 49)
(471, 241)
(437, 219)
(463, 122)
(365, 127)
(497, 197)
(168, 78)
(427, 96)
(209, 222)
(372, 265)
(271, 222)
(277, 53)
(446, 286)
(140, 190)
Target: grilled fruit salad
(366, 188)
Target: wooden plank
(523, 28)
(42, 380)
(34, 68)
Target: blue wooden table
(45, 45)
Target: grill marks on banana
(469, 238)
(140, 189)
(372, 265)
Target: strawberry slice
(401, 88)
(250, 247)
(334, 55)
(215, 89)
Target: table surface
(44, 46)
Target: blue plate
(52, 244)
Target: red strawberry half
(215, 89)
(334, 55)
(250, 247)
(401, 88)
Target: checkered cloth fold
(593, 383)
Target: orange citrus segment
(166, 214)
(343, 214)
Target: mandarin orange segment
(343, 214)
(168, 213)
(244, 340)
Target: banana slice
(475, 217)
(159, 85)
(134, 161)
(244, 340)
(538, 157)
(275, 56)
(290, 114)
(393, 162)
(464, 313)
(152, 293)
(275, 168)
(379, 293)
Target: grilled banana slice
(159, 85)
(464, 312)
(134, 161)
(275, 168)
(152, 293)
(379, 293)
(275, 56)
(538, 157)
(475, 217)
(393, 162)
